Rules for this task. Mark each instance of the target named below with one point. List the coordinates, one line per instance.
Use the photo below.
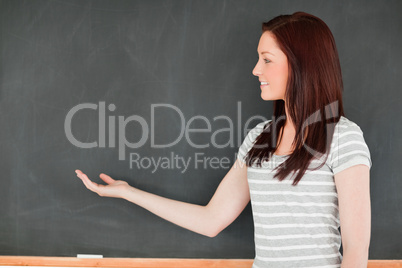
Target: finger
(88, 183)
(80, 174)
(96, 188)
(106, 178)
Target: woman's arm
(229, 200)
(353, 187)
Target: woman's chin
(270, 97)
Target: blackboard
(71, 70)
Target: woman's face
(271, 68)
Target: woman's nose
(256, 70)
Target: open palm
(113, 188)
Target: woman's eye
(267, 61)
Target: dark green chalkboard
(119, 60)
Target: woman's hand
(227, 203)
(112, 189)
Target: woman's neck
(289, 125)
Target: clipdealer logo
(117, 127)
(177, 161)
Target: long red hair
(313, 95)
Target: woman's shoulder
(345, 125)
(250, 139)
(259, 128)
(253, 133)
(346, 121)
(348, 146)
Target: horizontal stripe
(242, 152)
(298, 258)
(270, 170)
(295, 225)
(347, 133)
(282, 237)
(356, 152)
(293, 193)
(250, 139)
(298, 247)
(318, 172)
(325, 266)
(264, 170)
(291, 204)
(349, 143)
(284, 214)
(302, 182)
(340, 148)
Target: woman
(306, 171)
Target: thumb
(106, 178)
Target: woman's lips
(264, 84)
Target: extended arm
(353, 187)
(229, 200)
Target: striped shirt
(298, 226)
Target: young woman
(306, 171)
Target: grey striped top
(298, 226)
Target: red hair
(313, 94)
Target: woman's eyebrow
(267, 53)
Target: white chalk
(89, 256)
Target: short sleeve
(249, 140)
(348, 147)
